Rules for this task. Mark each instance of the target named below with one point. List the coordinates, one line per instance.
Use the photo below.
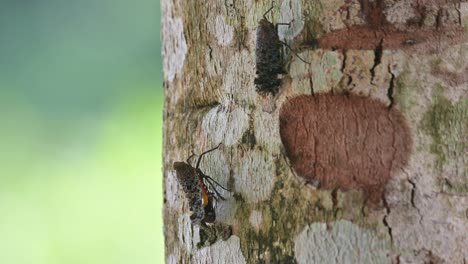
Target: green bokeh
(81, 132)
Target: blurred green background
(81, 132)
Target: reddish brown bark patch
(452, 78)
(360, 37)
(345, 142)
(373, 12)
(378, 33)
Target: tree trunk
(361, 157)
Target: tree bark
(409, 58)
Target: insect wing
(187, 177)
(268, 58)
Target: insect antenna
(268, 11)
(201, 155)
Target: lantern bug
(269, 57)
(195, 186)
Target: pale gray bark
(209, 68)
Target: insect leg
(287, 46)
(209, 179)
(268, 11)
(283, 24)
(189, 158)
(201, 155)
(216, 191)
(212, 183)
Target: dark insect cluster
(269, 57)
(195, 186)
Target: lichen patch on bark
(238, 85)
(172, 188)
(222, 124)
(290, 11)
(220, 252)
(345, 142)
(340, 242)
(175, 47)
(324, 72)
(255, 219)
(357, 69)
(362, 72)
(224, 33)
(266, 130)
(254, 176)
(186, 233)
(171, 259)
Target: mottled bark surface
(411, 56)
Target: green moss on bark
(447, 124)
(405, 89)
(292, 206)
